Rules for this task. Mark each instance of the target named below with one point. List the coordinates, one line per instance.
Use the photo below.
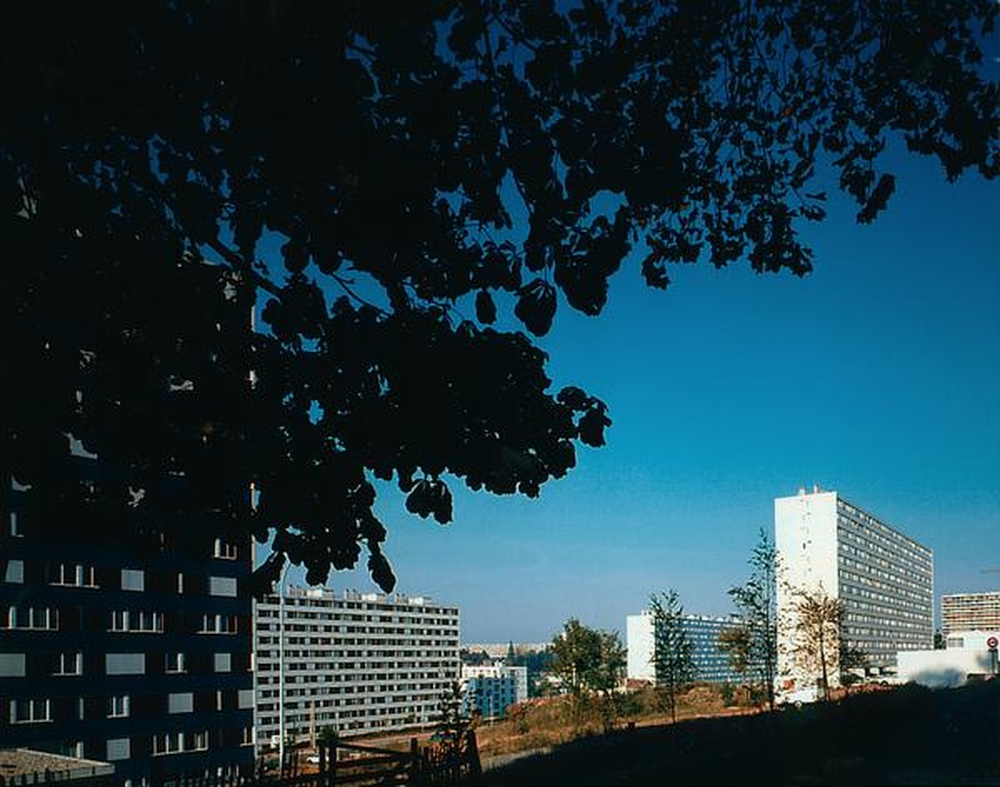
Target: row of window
(884, 539)
(83, 575)
(418, 604)
(40, 710)
(271, 609)
(65, 664)
(47, 619)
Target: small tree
(735, 643)
(451, 721)
(589, 662)
(816, 621)
(672, 650)
(755, 646)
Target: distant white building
(884, 579)
(499, 650)
(355, 662)
(970, 655)
(492, 689)
(711, 664)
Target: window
(180, 583)
(15, 527)
(223, 662)
(181, 702)
(45, 618)
(70, 749)
(11, 665)
(139, 621)
(119, 749)
(68, 664)
(30, 711)
(222, 586)
(118, 706)
(148, 621)
(197, 741)
(14, 572)
(174, 742)
(218, 624)
(225, 549)
(125, 663)
(72, 575)
(168, 743)
(133, 579)
(174, 662)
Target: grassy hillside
(911, 736)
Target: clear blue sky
(878, 376)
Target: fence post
(415, 775)
(472, 754)
(333, 759)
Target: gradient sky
(877, 376)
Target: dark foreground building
(136, 657)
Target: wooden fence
(444, 764)
(449, 762)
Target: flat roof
(28, 762)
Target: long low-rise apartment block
(353, 663)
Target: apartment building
(883, 579)
(491, 689)
(138, 658)
(970, 612)
(711, 664)
(354, 662)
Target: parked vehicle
(797, 697)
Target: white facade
(938, 669)
(884, 580)
(641, 644)
(358, 663)
(969, 655)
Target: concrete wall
(805, 536)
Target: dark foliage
(366, 176)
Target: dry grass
(541, 724)
(904, 736)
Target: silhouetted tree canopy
(385, 183)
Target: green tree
(590, 663)
(753, 645)
(390, 191)
(815, 627)
(673, 651)
(734, 641)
